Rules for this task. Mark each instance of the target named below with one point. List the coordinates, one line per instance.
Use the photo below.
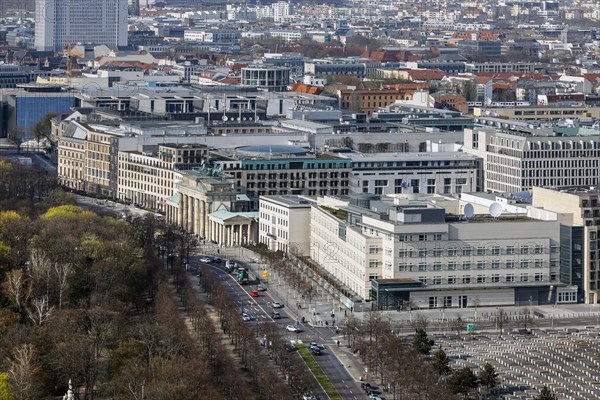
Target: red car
(254, 293)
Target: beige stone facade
(87, 159)
(148, 178)
(581, 208)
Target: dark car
(290, 347)
(315, 350)
(365, 386)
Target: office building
(519, 159)
(147, 177)
(284, 223)
(580, 258)
(393, 173)
(59, 23)
(284, 170)
(419, 251)
(274, 79)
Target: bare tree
(63, 271)
(476, 302)
(40, 271)
(17, 287)
(526, 318)
(39, 310)
(501, 317)
(22, 371)
(419, 321)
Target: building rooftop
(376, 157)
(291, 201)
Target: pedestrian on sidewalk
(338, 343)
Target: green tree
(488, 376)
(421, 343)
(441, 362)
(546, 394)
(5, 393)
(462, 381)
(469, 90)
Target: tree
(441, 362)
(22, 372)
(462, 381)
(421, 343)
(546, 394)
(43, 128)
(5, 393)
(501, 317)
(488, 377)
(469, 90)
(17, 287)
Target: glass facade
(30, 109)
(571, 257)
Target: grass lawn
(318, 372)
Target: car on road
(365, 386)
(315, 351)
(276, 304)
(246, 317)
(290, 347)
(261, 288)
(309, 397)
(218, 260)
(293, 328)
(276, 315)
(206, 260)
(315, 344)
(254, 293)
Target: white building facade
(62, 22)
(518, 161)
(444, 261)
(394, 173)
(284, 223)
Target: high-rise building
(60, 22)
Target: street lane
(346, 385)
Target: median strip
(318, 372)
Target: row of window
(468, 279)
(452, 251)
(453, 266)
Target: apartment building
(421, 252)
(87, 158)
(393, 173)
(283, 223)
(148, 177)
(284, 170)
(369, 101)
(60, 22)
(520, 159)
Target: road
(259, 308)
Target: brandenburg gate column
(180, 210)
(206, 212)
(186, 212)
(202, 219)
(190, 216)
(196, 216)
